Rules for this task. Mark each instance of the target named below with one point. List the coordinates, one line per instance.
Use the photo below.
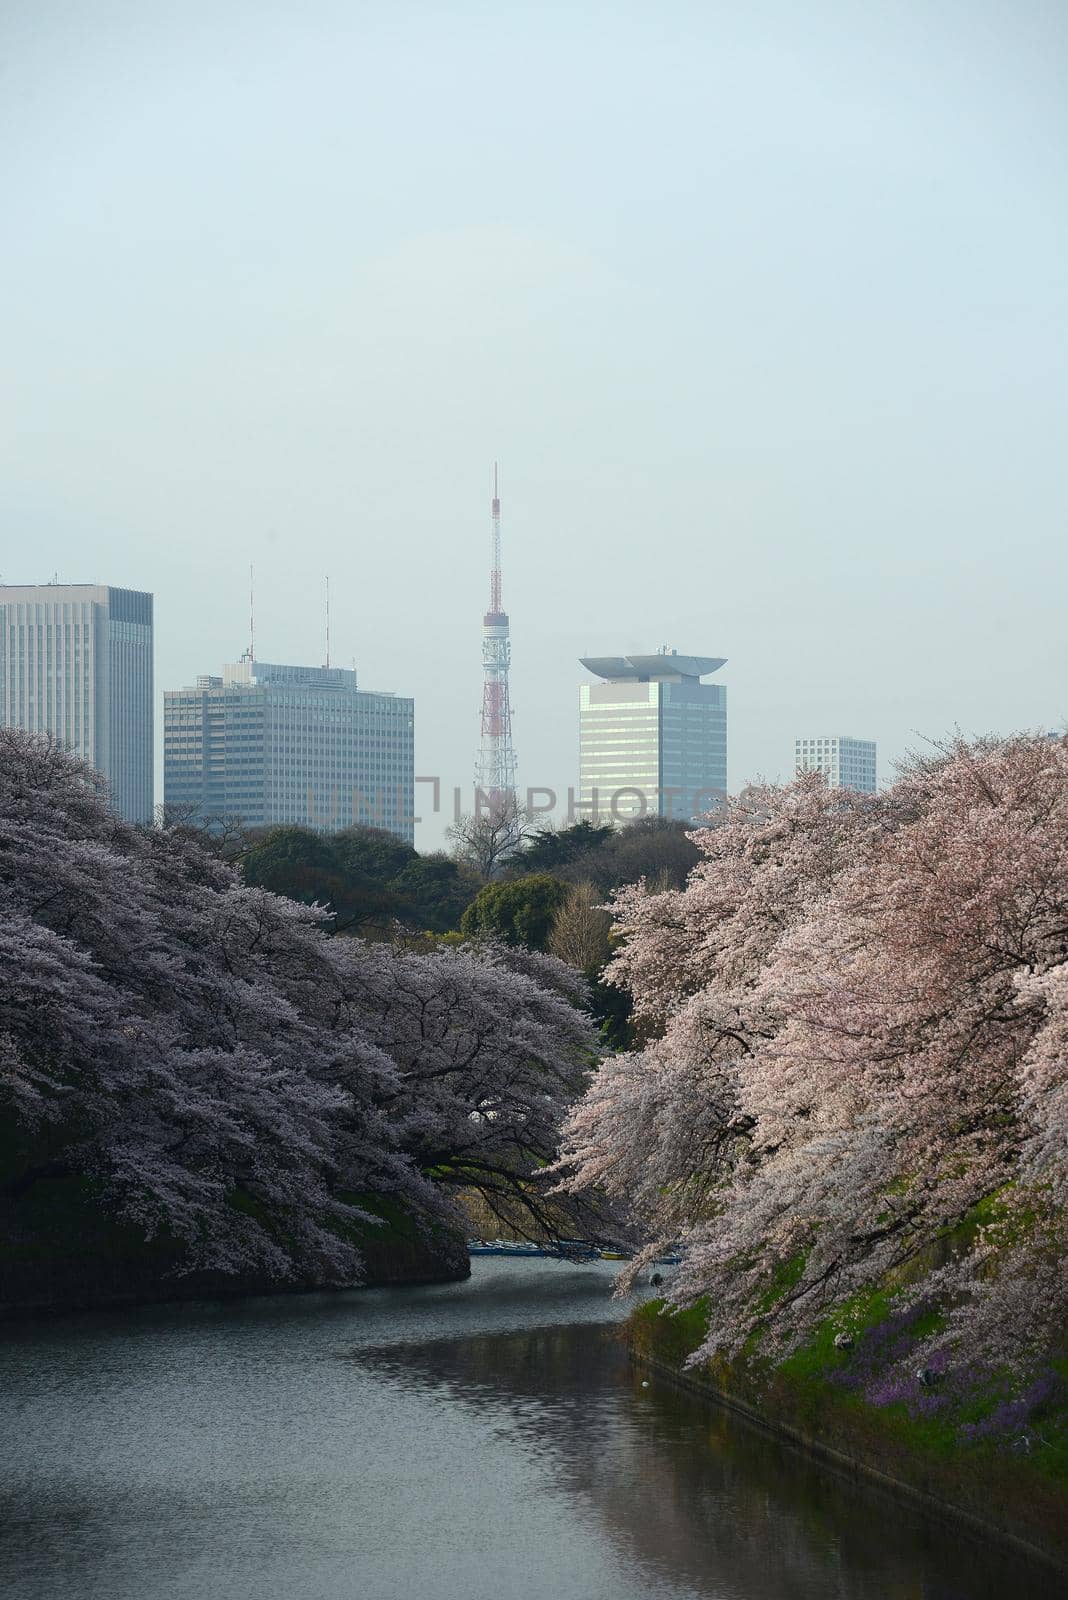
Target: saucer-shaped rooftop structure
(645, 669)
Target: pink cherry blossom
(229, 1074)
(856, 1073)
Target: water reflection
(484, 1441)
(690, 1493)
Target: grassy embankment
(965, 1437)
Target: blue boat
(566, 1250)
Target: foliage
(491, 1049)
(551, 849)
(228, 1075)
(875, 1397)
(861, 1015)
(172, 1034)
(434, 891)
(658, 849)
(366, 878)
(580, 930)
(581, 936)
(515, 910)
(306, 866)
(598, 859)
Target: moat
(469, 1441)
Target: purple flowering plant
(887, 1366)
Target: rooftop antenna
(328, 620)
(251, 615)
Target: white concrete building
(846, 763)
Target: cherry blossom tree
(226, 1073)
(490, 1048)
(662, 1129)
(858, 1070)
(169, 1033)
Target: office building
(846, 763)
(271, 744)
(652, 736)
(76, 663)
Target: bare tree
(485, 838)
(221, 833)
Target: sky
(761, 307)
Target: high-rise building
(652, 736)
(278, 744)
(846, 763)
(76, 662)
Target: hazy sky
(761, 306)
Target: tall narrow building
(76, 662)
(845, 762)
(652, 737)
(270, 744)
(495, 771)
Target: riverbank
(1007, 1491)
(60, 1252)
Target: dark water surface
(480, 1441)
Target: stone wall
(59, 1251)
(1004, 1497)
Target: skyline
(447, 795)
(763, 324)
(661, 749)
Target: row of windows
(863, 748)
(329, 738)
(50, 616)
(648, 714)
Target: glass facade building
(76, 663)
(270, 744)
(846, 763)
(652, 737)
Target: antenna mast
(251, 615)
(328, 619)
(495, 773)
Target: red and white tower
(495, 773)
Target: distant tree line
(504, 883)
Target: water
(480, 1441)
